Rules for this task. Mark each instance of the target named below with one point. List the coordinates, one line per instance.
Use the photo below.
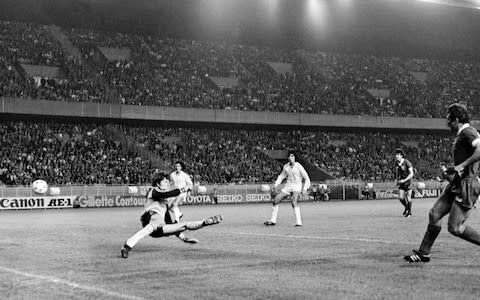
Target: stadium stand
(94, 66)
(90, 153)
(170, 72)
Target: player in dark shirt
(461, 194)
(157, 218)
(404, 181)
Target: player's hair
(291, 152)
(400, 151)
(180, 163)
(158, 178)
(459, 111)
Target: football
(202, 189)
(265, 188)
(39, 186)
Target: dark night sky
(383, 27)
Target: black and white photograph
(239, 149)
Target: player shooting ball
(460, 196)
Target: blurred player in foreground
(404, 181)
(295, 174)
(157, 217)
(461, 194)
(180, 180)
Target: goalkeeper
(157, 216)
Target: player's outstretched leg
(125, 250)
(186, 239)
(170, 229)
(213, 220)
(130, 243)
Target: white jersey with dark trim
(295, 175)
(181, 180)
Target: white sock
(173, 228)
(298, 217)
(274, 213)
(194, 225)
(176, 211)
(139, 235)
(180, 227)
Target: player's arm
(473, 158)
(159, 196)
(189, 182)
(306, 184)
(410, 172)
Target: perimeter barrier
(76, 196)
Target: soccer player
(157, 217)
(294, 173)
(180, 180)
(404, 181)
(461, 194)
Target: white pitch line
(313, 237)
(70, 283)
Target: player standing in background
(462, 192)
(156, 218)
(180, 180)
(404, 181)
(295, 174)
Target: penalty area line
(55, 280)
(312, 237)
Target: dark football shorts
(145, 219)
(470, 190)
(405, 186)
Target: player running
(157, 217)
(461, 194)
(295, 174)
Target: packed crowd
(178, 73)
(33, 44)
(89, 153)
(63, 153)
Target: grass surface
(346, 250)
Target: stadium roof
(475, 4)
(419, 28)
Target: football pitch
(345, 250)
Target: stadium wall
(175, 114)
(19, 198)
